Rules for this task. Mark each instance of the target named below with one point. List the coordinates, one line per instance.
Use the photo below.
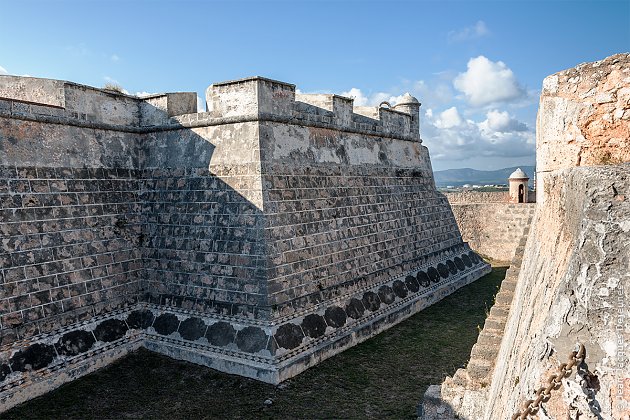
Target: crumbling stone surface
(573, 285)
(578, 295)
(466, 394)
(584, 114)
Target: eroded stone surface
(289, 336)
(75, 342)
(192, 329)
(220, 334)
(583, 225)
(572, 285)
(584, 117)
(166, 324)
(251, 339)
(110, 330)
(34, 357)
(140, 319)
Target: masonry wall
(492, 229)
(204, 220)
(468, 197)
(69, 247)
(572, 287)
(354, 232)
(69, 257)
(378, 226)
(69, 227)
(346, 211)
(258, 239)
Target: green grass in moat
(384, 377)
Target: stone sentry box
(258, 238)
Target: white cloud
(457, 134)
(375, 99)
(432, 95)
(380, 97)
(3, 70)
(359, 98)
(143, 94)
(435, 94)
(478, 30)
(114, 58)
(448, 118)
(501, 122)
(449, 137)
(487, 82)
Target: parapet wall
(491, 228)
(271, 100)
(480, 197)
(477, 197)
(66, 102)
(585, 116)
(573, 284)
(258, 238)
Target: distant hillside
(459, 177)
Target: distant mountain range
(459, 177)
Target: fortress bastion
(258, 238)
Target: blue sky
(477, 66)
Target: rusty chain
(531, 407)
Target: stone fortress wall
(489, 223)
(493, 229)
(573, 282)
(258, 238)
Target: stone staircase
(466, 391)
(483, 356)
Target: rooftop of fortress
(250, 99)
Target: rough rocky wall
(492, 229)
(573, 285)
(584, 117)
(574, 276)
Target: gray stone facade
(492, 229)
(258, 238)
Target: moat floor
(384, 377)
